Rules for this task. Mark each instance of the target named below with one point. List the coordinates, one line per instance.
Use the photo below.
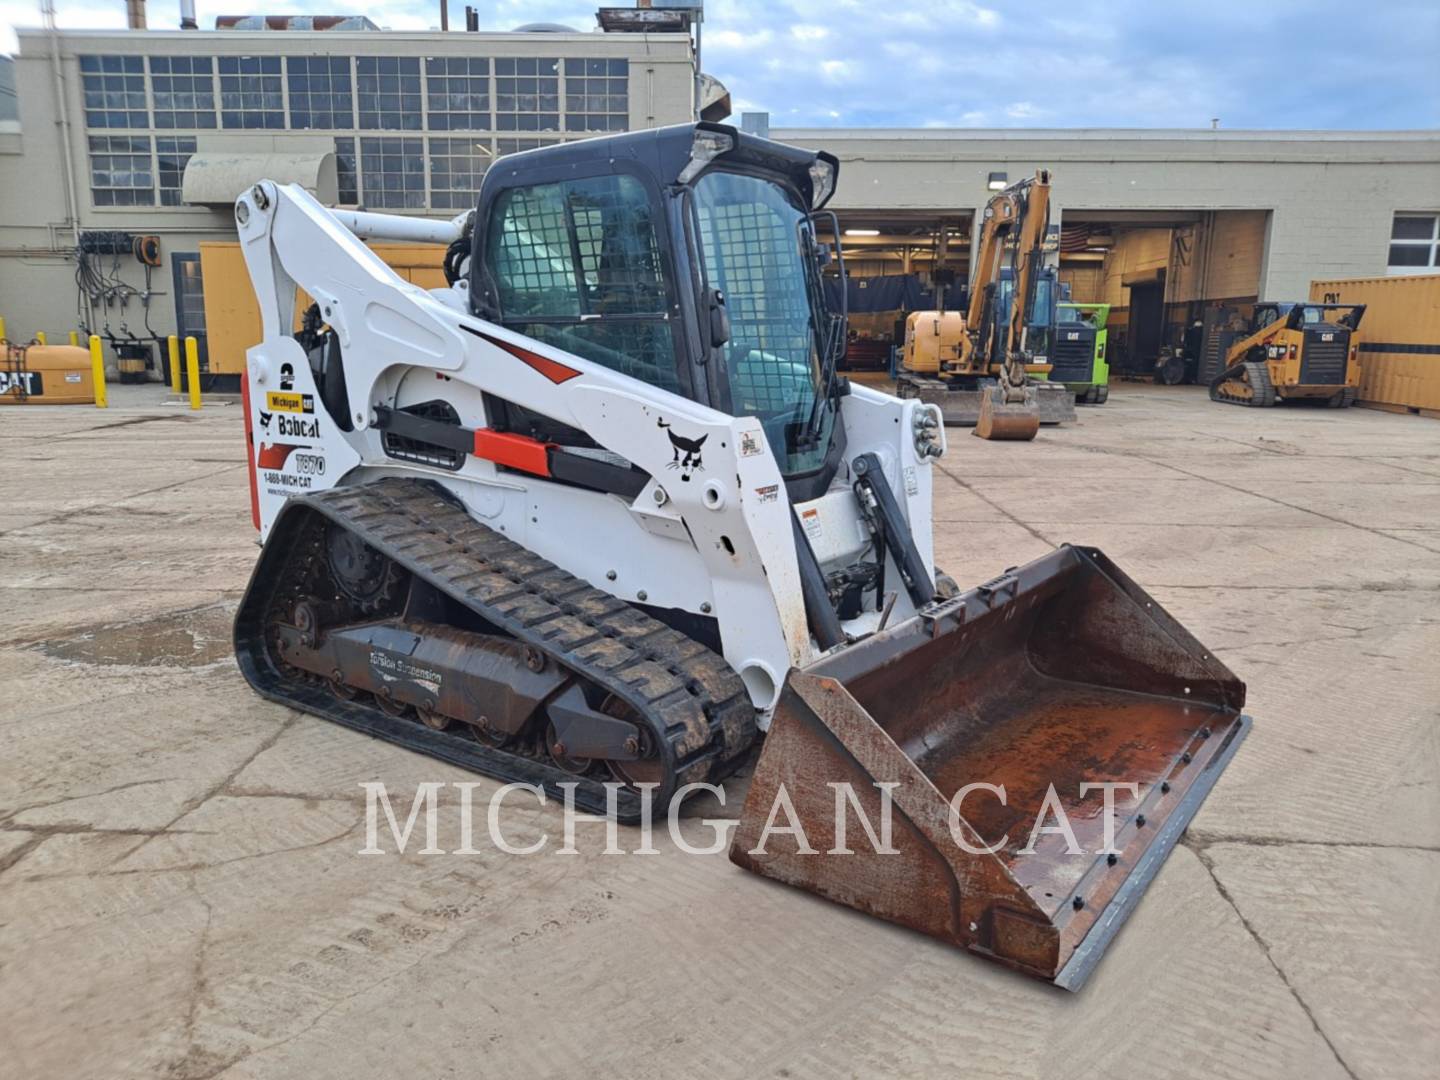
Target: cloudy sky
(996, 63)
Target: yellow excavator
(980, 368)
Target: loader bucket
(1058, 674)
(1016, 421)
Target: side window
(577, 265)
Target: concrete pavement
(181, 894)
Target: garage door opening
(897, 262)
(1176, 282)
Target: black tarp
(893, 292)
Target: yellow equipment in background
(45, 375)
(988, 374)
(1398, 346)
(930, 337)
(1293, 351)
(232, 318)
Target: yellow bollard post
(97, 371)
(40, 337)
(75, 338)
(192, 370)
(173, 344)
(2, 329)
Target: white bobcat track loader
(601, 513)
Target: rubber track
(1257, 375)
(694, 703)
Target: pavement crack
(1199, 841)
(997, 507)
(193, 804)
(1264, 946)
(93, 508)
(10, 815)
(10, 858)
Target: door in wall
(190, 303)
(1147, 325)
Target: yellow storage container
(46, 375)
(1399, 338)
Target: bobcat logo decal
(686, 452)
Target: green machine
(1077, 351)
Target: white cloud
(808, 32)
(835, 70)
(736, 39)
(1020, 110)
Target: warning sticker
(912, 485)
(750, 444)
(811, 520)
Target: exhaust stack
(187, 14)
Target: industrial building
(152, 133)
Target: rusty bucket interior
(1059, 674)
(1002, 419)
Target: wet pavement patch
(185, 639)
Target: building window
(527, 94)
(597, 95)
(1415, 243)
(347, 180)
(114, 88)
(389, 92)
(320, 92)
(457, 93)
(392, 172)
(456, 169)
(252, 92)
(121, 173)
(184, 88)
(515, 146)
(172, 152)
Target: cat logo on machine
(289, 402)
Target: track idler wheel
(647, 767)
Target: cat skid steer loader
(600, 515)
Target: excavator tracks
(1246, 383)
(691, 705)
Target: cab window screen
(577, 265)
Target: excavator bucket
(1060, 674)
(1014, 421)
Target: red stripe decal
(551, 369)
(274, 455)
(516, 451)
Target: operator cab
(687, 257)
